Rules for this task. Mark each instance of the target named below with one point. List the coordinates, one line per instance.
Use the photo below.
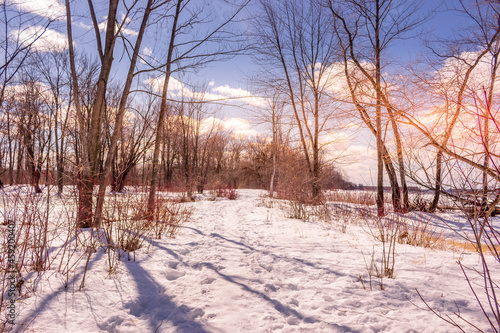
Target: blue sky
(229, 77)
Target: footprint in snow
(208, 281)
(110, 324)
(172, 275)
(270, 288)
(173, 264)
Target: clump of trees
(67, 118)
(326, 61)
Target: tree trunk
(378, 116)
(85, 182)
(404, 208)
(437, 187)
(393, 179)
(85, 203)
(163, 109)
(271, 183)
(121, 112)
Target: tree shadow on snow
(268, 253)
(158, 307)
(285, 310)
(279, 257)
(44, 305)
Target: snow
(242, 266)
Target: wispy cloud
(237, 93)
(147, 51)
(51, 9)
(236, 127)
(214, 93)
(239, 128)
(44, 40)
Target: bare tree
(367, 29)
(276, 114)
(20, 31)
(90, 136)
(183, 54)
(297, 47)
(272, 114)
(53, 68)
(198, 128)
(135, 137)
(453, 85)
(170, 144)
(33, 128)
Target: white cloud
(147, 51)
(335, 138)
(127, 19)
(126, 31)
(102, 25)
(41, 90)
(335, 82)
(208, 124)
(359, 164)
(43, 40)
(232, 92)
(235, 127)
(84, 25)
(175, 87)
(51, 9)
(239, 128)
(245, 96)
(452, 68)
(218, 94)
(126, 22)
(129, 32)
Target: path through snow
(238, 266)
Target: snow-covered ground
(240, 266)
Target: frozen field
(243, 266)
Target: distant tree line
(68, 117)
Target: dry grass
(355, 197)
(420, 233)
(469, 246)
(127, 225)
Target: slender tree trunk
(447, 134)
(121, 112)
(85, 182)
(32, 167)
(486, 131)
(393, 179)
(11, 151)
(399, 148)
(378, 117)
(271, 183)
(59, 148)
(437, 186)
(316, 185)
(161, 117)
(119, 177)
(19, 162)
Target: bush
(127, 224)
(419, 233)
(226, 192)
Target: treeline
(88, 117)
(40, 144)
(433, 116)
